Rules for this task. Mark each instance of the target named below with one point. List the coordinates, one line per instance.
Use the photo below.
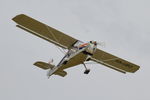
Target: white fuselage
(91, 48)
(86, 50)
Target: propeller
(102, 44)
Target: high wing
(44, 31)
(114, 62)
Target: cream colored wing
(114, 62)
(43, 31)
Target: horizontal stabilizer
(43, 65)
(61, 73)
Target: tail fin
(43, 65)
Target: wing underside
(44, 31)
(114, 62)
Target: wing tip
(41, 65)
(18, 17)
(135, 69)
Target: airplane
(77, 53)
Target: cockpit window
(78, 43)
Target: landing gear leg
(86, 70)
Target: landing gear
(65, 62)
(86, 70)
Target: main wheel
(65, 62)
(86, 71)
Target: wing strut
(61, 50)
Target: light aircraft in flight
(77, 53)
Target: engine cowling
(92, 47)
